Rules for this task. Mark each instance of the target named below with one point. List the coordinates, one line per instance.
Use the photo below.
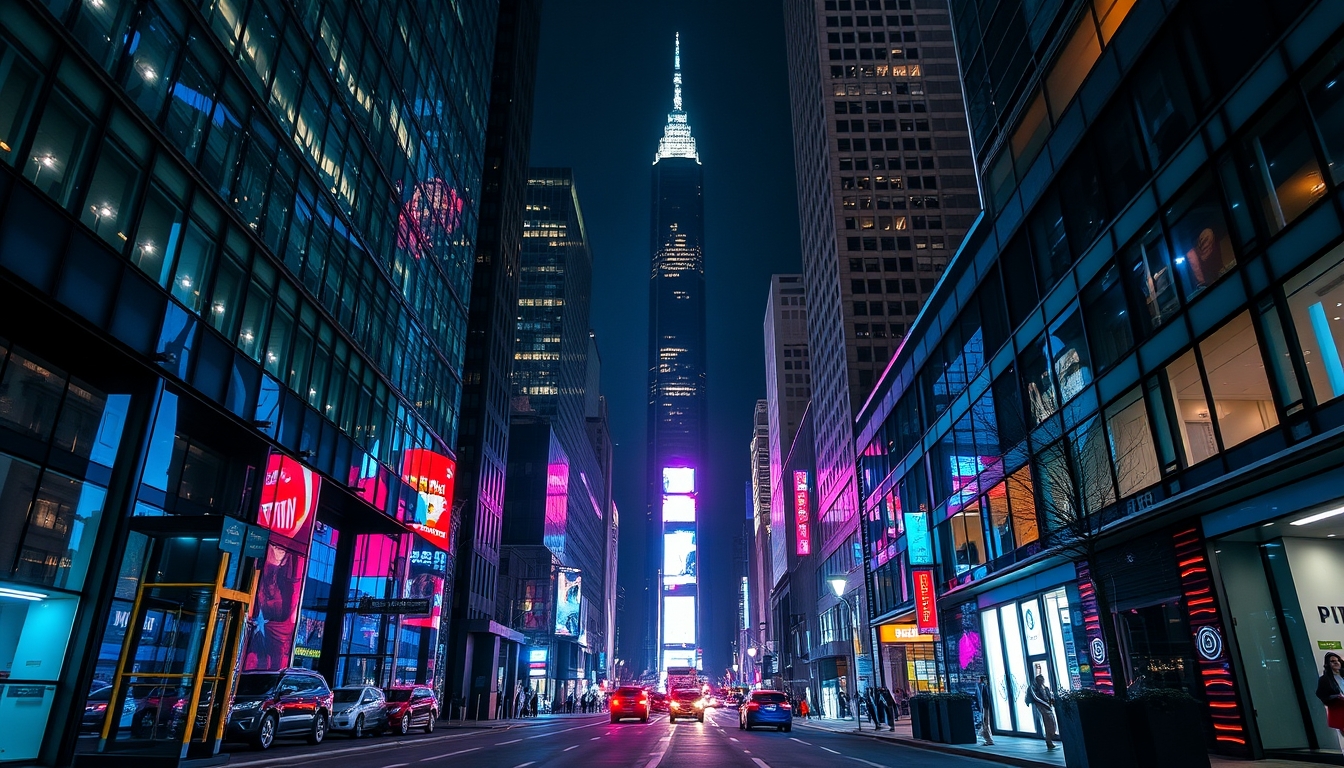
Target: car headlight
(242, 705)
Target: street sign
(231, 535)
(404, 606)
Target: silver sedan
(358, 710)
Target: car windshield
(102, 694)
(255, 685)
(630, 692)
(768, 698)
(403, 694)
(686, 695)
(348, 695)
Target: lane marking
(732, 738)
(502, 743)
(866, 762)
(758, 761)
(595, 738)
(800, 741)
(450, 754)
(524, 765)
(397, 765)
(566, 749)
(832, 751)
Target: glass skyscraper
(678, 406)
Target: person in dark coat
(986, 708)
(1330, 690)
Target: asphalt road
(593, 742)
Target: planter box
(919, 719)
(1095, 733)
(956, 721)
(1169, 734)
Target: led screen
(275, 613)
(678, 509)
(432, 475)
(678, 557)
(678, 620)
(569, 591)
(678, 480)
(536, 654)
(289, 494)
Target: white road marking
(595, 738)
(732, 738)
(397, 765)
(867, 762)
(800, 741)
(502, 743)
(759, 762)
(566, 749)
(832, 751)
(450, 754)
(524, 765)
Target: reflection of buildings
(227, 236)
(1139, 340)
(480, 642)
(557, 500)
(678, 411)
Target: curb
(949, 749)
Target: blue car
(770, 708)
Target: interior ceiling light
(1308, 520)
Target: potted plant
(1168, 729)
(1094, 729)
(921, 726)
(956, 718)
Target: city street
(593, 742)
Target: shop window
(30, 394)
(1195, 425)
(1108, 318)
(151, 53)
(1041, 401)
(1068, 355)
(1325, 98)
(1073, 64)
(1201, 244)
(1287, 174)
(1131, 443)
(1146, 270)
(1237, 381)
(1316, 301)
(1021, 493)
(58, 149)
(38, 631)
(19, 81)
(1092, 467)
(1162, 98)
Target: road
(593, 742)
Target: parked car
(686, 703)
(158, 711)
(629, 701)
(658, 702)
(271, 705)
(357, 710)
(410, 706)
(766, 708)
(95, 709)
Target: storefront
(1280, 578)
(909, 659)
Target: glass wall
(1022, 639)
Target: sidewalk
(1008, 750)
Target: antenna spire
(676, 76)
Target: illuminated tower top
(677, 140)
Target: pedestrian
(533, 702)
(1043, 701)
(986, 706)
(803, 711)
(844, 705)
(872, 709)
(1330, 690)
(569, 703)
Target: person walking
(871, 704)
(844, 705)
(1043, 701)
(803, 710)
(1330, 690)
(986, 707)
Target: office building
(481, 643)
(678, 407)
(758, 575)
(1107, 452)
(234, 272)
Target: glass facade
(1156, 257)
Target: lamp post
(838, 583)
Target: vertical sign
(802, 512)
(918, 543)
(926, 603)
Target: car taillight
(753, 705)
(643, 700)
(615, 702)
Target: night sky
(604, 89)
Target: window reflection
(18, 87)
(1147, 272)
(1092, 466)
(1131, 443)
(1041, 402)
(152, 52)
(1107, 315)
(1068, 355)
(58, 149)
(108, 204)
(1325, 97)
(1201, 244)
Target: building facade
(678, 434)
(759, 582)
(479, 640)
(886, 192)
(235, 262)
(1107, 451)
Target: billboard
(678, 620)
(568, 603)
(918, 542)
(289, 494)
(432, 475)
(678, 480)
(678, 509)
(802, 513)
(679, 564)
(926, 602)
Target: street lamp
(838, 584)
(751, 651)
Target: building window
(1236, 374)
(1316, 301)
(58, 149)
(1325, 98)
(1068, 354)
(18, 89)
(1201, 244)
(1146, 268)
(1107, 318)
(1287, 175)
(1131, 443)
(1195, 426)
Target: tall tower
(678, 407)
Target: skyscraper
(678, 407)
(478, 641)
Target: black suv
(269, 705)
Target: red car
(411, 706)
(629, 702)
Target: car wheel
(404, 727)
(429, 724)
(358, 731)
(265, 733)
(144, 724)
(319, 731)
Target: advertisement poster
(536, 605)
(288, 509)
(678, 620)
(429, 567)
(568, 602)
(678, 558)
(432, 475)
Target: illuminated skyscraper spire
(677, 140)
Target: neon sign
(802, 513)
(926, 603)
(288, 498)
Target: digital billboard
(678, 509)
(926, 603)
(679, 562)
(432, 475)
(568, 603)
(918, 542)
(678, 480)
(275, 611)
(802, 512)
(289, 494)
(678, 620)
